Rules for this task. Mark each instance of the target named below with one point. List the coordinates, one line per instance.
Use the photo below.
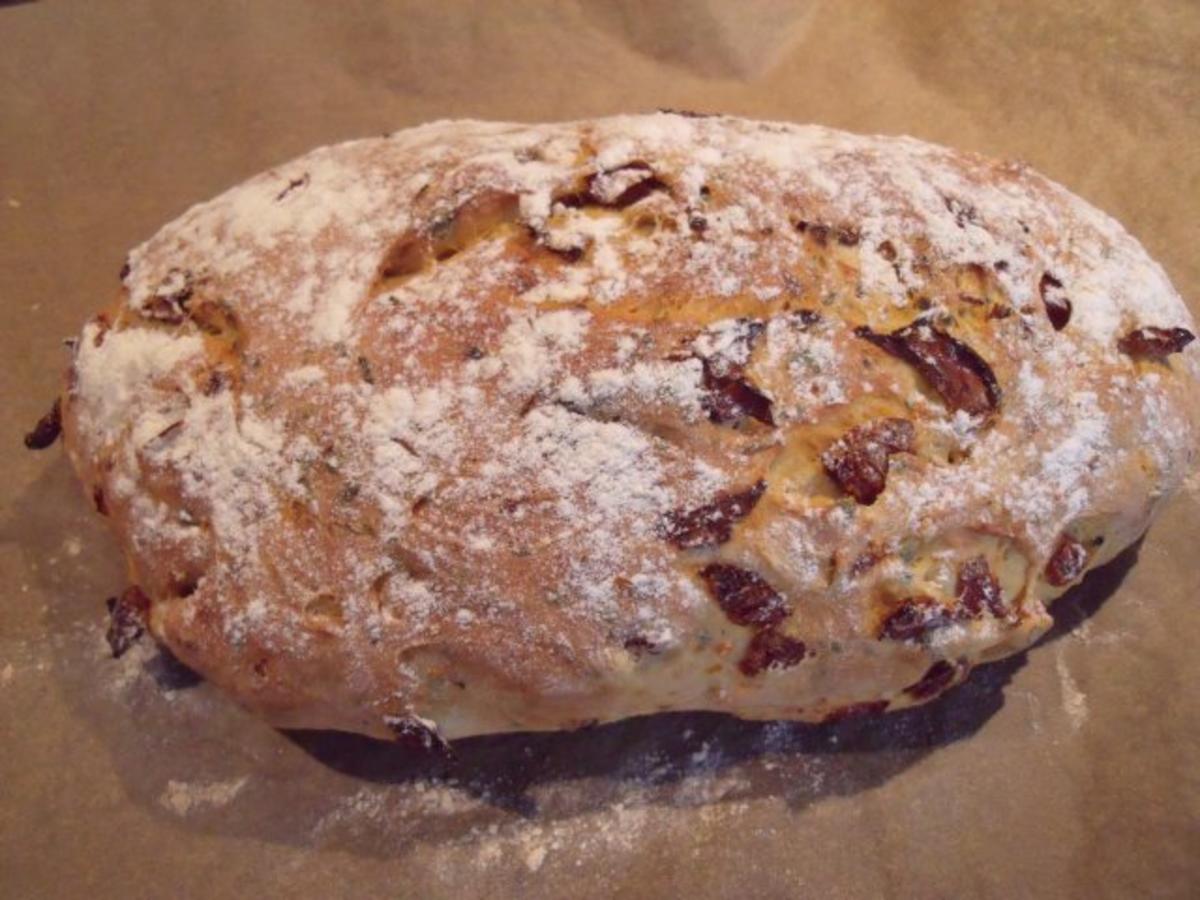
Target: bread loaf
(482, 427)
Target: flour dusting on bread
(499, 426)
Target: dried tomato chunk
(962, 378)
(914, 619)
(728, 350)
(639, 644)
(941, 675)
(616, 188)
(169, 301)
(1067, 562)
(977, 587)
(848, 235)
(858, 460)
(1155, 342)
(729, 396)
(856, 710)
(744, 596)
(413, 732)
(686, 113)
(770, 649)
(713, 522)
(47, 429)
(126, 619)
(1054, 299)
(731, 399)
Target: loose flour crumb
(181, 797)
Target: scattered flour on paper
(1074, 700)
(181, 797)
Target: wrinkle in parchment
(710, 38)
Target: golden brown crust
(501, 427)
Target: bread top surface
(512, 426)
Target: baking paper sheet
(1071, 771)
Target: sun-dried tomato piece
(616, 188)
(1155, 342)
(713, 522)
(744, 596)
(977, 587)
(686, 113)
(731, 399)
(806, 317)
(770, 649)
(126, 619)
(727, 349)
(639, 645)
(47, 429)
(1054, 299)
(914, 619)
(941, 675)
(566, 246)
(962, 378)
(365, 370)
(214, 383)
(414, 732)
(962, 211)
(848, 235)
(294, 184)
(637, 191)
(858, 460)
(856, 711)
(169, 300)
(1067, 562)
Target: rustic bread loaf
(480, 427)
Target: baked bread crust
(481, 427)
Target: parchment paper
(1070, 772)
